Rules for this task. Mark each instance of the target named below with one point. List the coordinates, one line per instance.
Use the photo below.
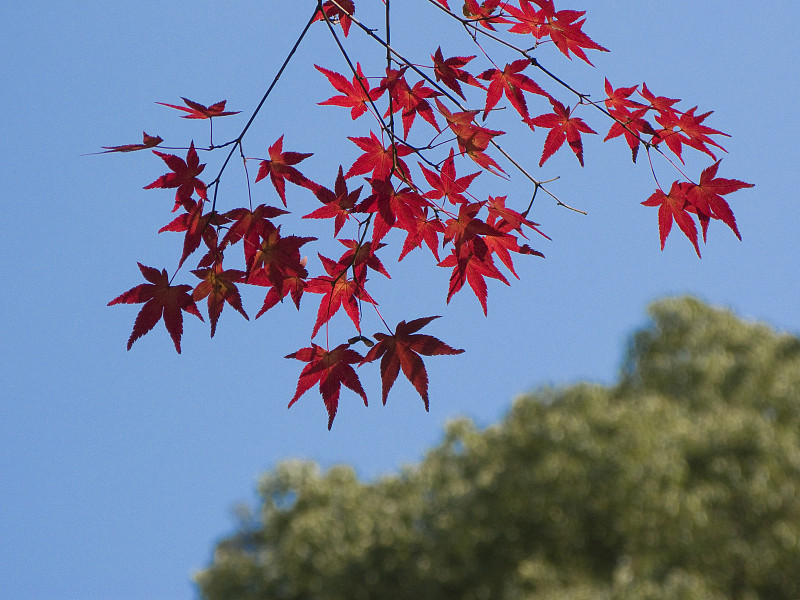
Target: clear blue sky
(118, 470)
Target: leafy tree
(411, 186)
(680, 482)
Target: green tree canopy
(680, 482)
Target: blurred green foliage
(682, 482)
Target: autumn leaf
(279, 168)
(378, 159)
(445, 184)
(148, 141)
(160, 300)
(340, 11)
(563, 126)
(338, 204)
(563, 27)
(410, 100)
(356, 96)
(330, 370)
(198, 111)
(484, 13)
(450, 72)
(339, 292)
(707, 196)
(220, 287)
(471, 262)
(183, 177)
(674, 206)
(511, 82)
(196, 225)
(402, 350)
(251, 226)
(472, 139)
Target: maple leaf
(279, 168)
(338, 204)
(196, 225)
(410, 100)
(199, 111)
(563, 126)
(707, 196)
(450, 71)
(483, 13)
(445, 184)
(620, 97)
(148, 141)
(341, 11)
(356, 95)
(277, 256)
(339, 292)
(677, 206)
(472, 139)
(220, 287)
(504, 216)
(184, 176)
(330, 369)
(423, 230)
(379, 159)
(250, 226)
(529, 19)
(466, 226)
(393, 208)
(359, 256)
(160, 300)
(631, 125)
(402, 350)
(511, 82)
(471, 262)
(564, 30)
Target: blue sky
(120, 469)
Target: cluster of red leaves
(427, 200)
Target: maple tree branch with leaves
(428, 202)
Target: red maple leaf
(410, 100)
(160, 300)
(423, 230)
(445, 184)
(378, 159)
(339, 291)
(279, 168)
(359, 256)
(340, 11)
(393, 208)
(471, 262)
(357, 96)
(184, 176)
(277, 256)
(330, 370)
(484, 13)
(402, 350)
(338, 204)
(199, 111)
(564, 29)
(197, 227)
(250, 226)
(563, 126)
(148, 141)
(220, 287)
(707, 197)
(630, 124)
(450, 71)
(677, 206)
(511, 82)
(472, 139)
